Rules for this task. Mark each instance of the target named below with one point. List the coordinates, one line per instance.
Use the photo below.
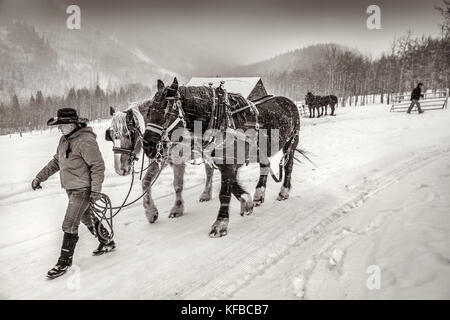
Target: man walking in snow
(415, 96)
(81, 169)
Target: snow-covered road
(378, 196)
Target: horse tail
(304, 153)
(280, 173)
(286, 155)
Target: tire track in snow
(368, 190)
(248, 257)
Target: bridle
(136, 137)
(174, 104)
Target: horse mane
(138, 118)
(119, 121)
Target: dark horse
(331, 100)
(313, 102)
(275, 120)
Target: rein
(104, 210)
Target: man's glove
(95, 196)
(36, 184)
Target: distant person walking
(416, 94)
(81, 170)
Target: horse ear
(112, 110)
(174, 84)
(160, 85)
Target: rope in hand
(102, 209)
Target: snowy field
(377, 197)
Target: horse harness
(221, 111)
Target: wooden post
(446, 100)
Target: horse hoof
(219, 228)
(217, 234)
(176, 211)
(282, 197)
(284, 194)
(257, 203)
(258, 198)
(246, 204)
(175, 214)
(152, 218)
(204, 197)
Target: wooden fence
(431, 101)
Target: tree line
(346, 73)
(333, 69)
(92, 103)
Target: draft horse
(314, 103)
(330, 100)
(276, 121)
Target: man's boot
(65, 259)
(106, 243)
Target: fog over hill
(38, 52)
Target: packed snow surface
(369, 220)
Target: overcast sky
(248, 30)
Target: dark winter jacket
(416, 93)
(79, 161)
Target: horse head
(165, 115)
(126, 134)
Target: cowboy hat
(66, 115)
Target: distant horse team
(320, 103)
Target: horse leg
(326, 110)
(286, 187)
(244, 197)
(260, 192)
(332, 109)
(220, 226)
(318, 112)
(151, 212)
(178, 179)
(310, 112)
(206, 194)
